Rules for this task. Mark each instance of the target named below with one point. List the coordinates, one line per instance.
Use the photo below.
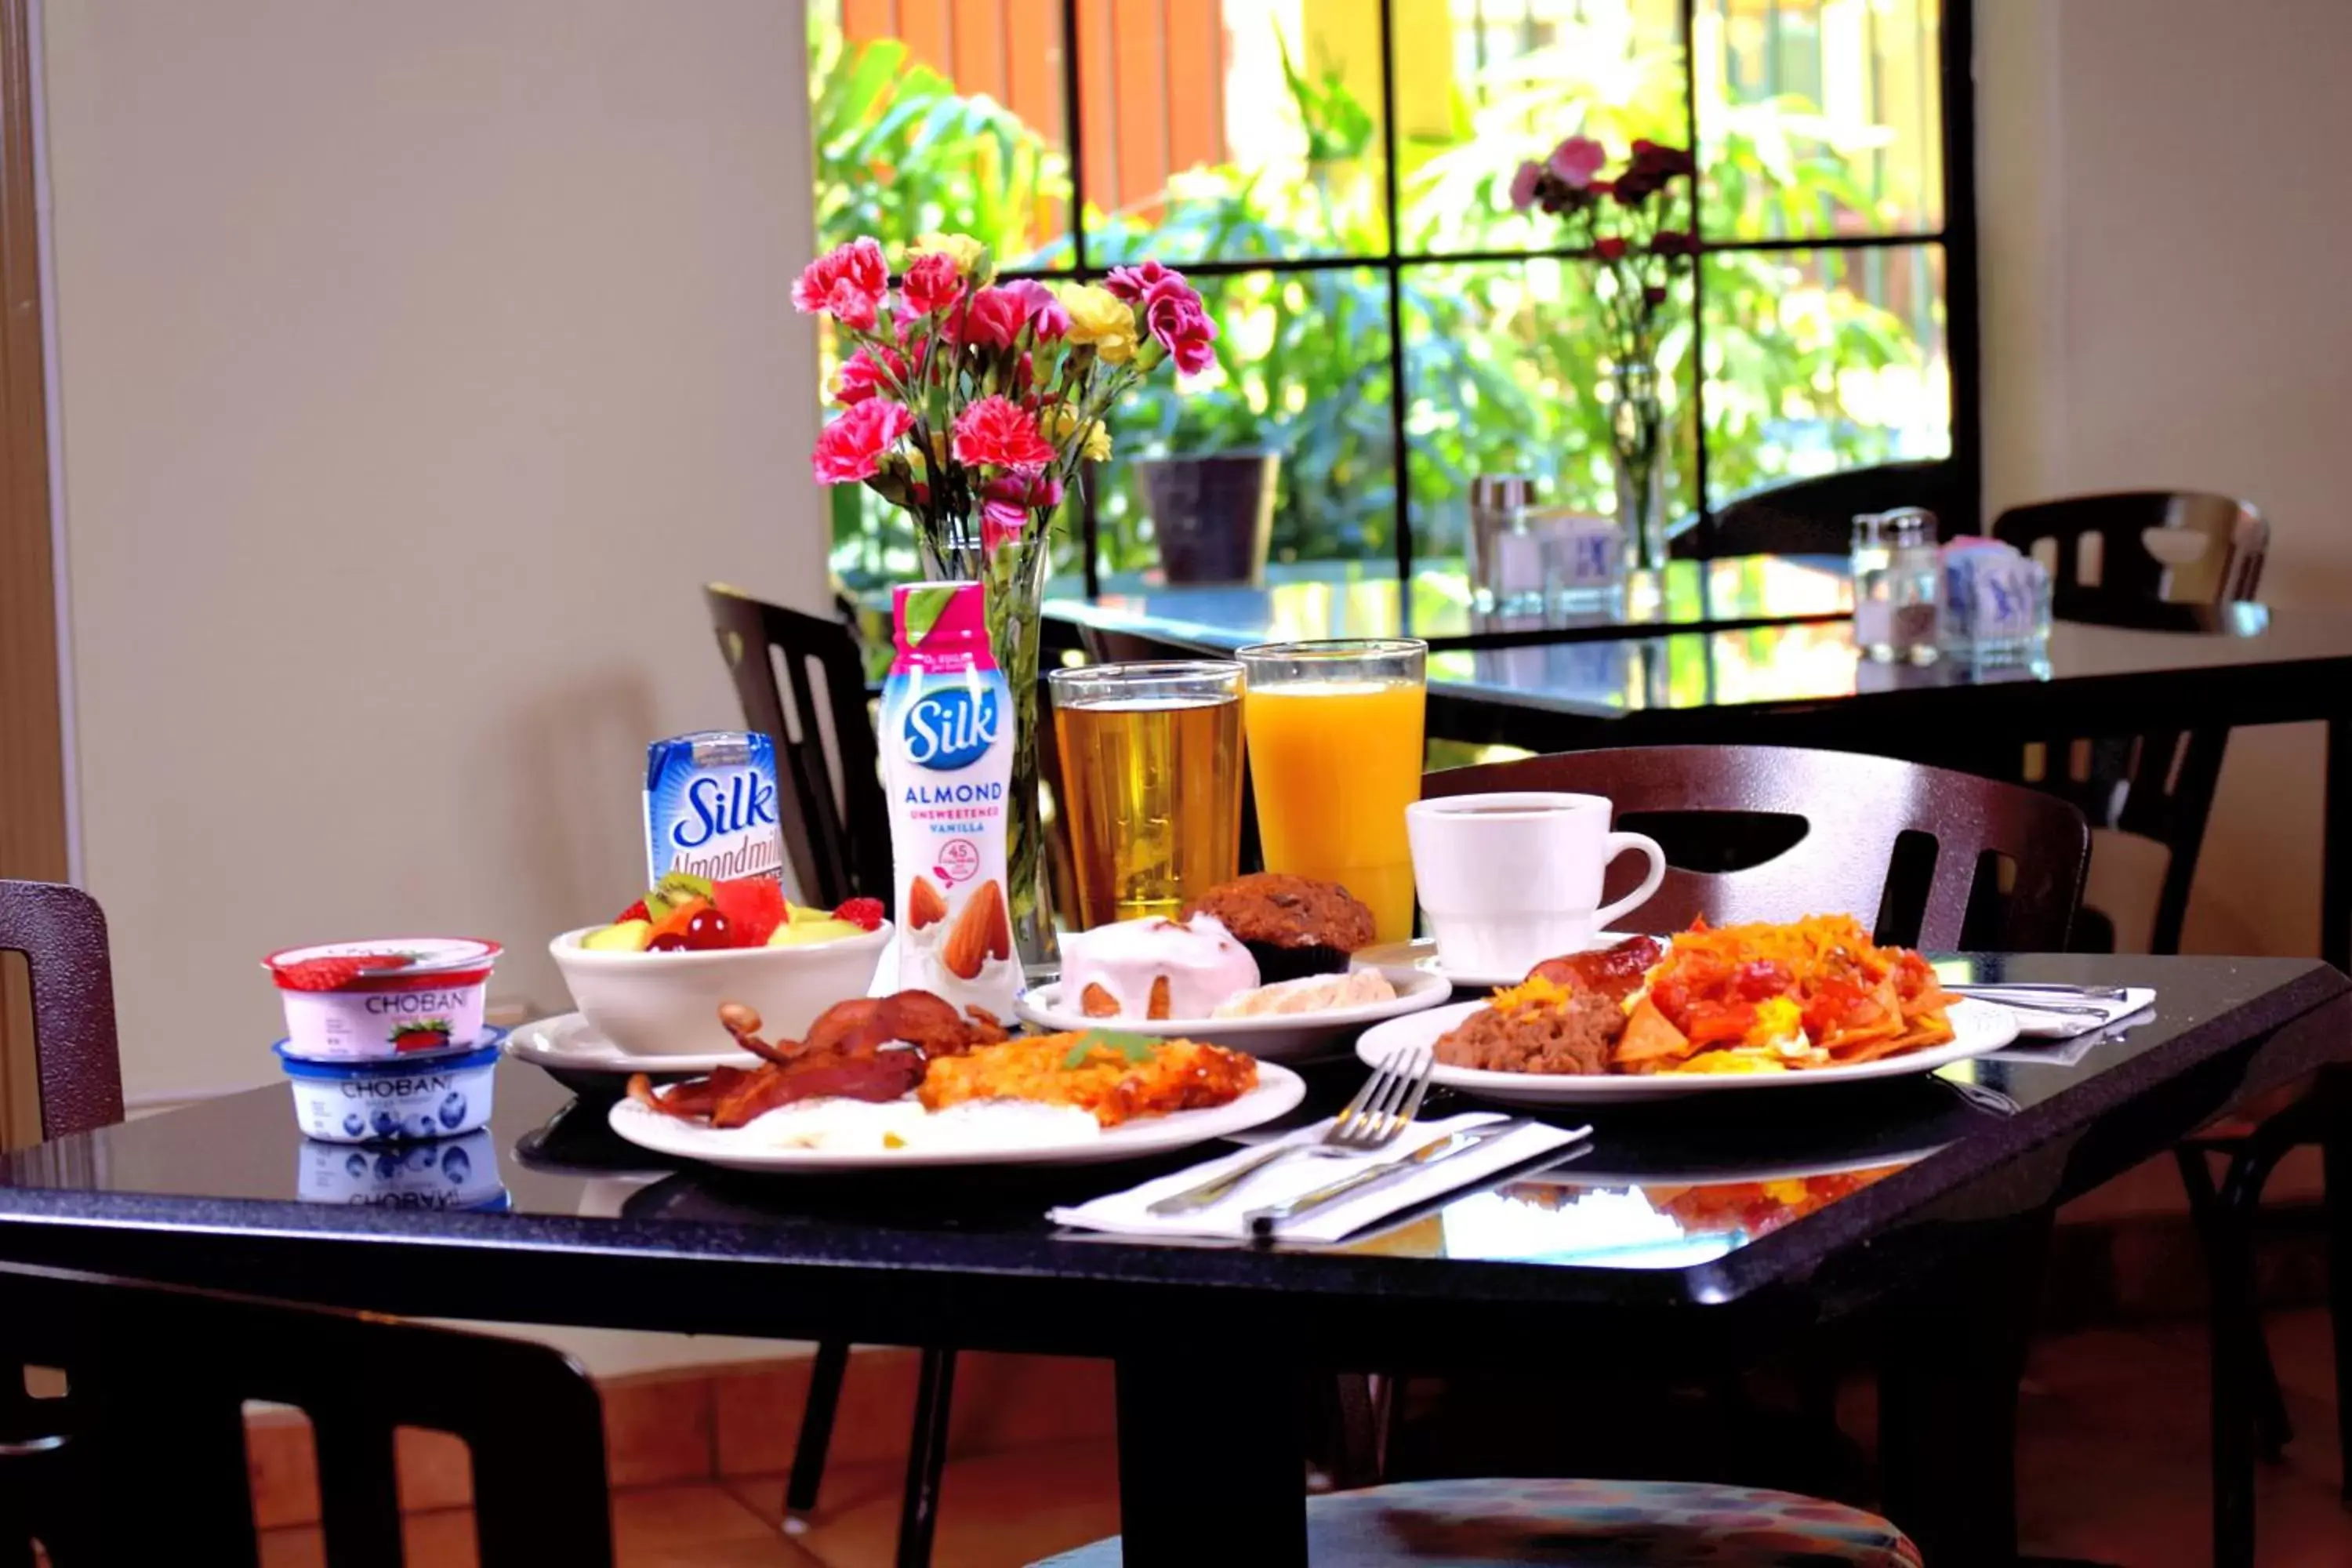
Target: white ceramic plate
(1421, 955)
(1278, 1091)
(1978, 1028)
(570, 1043)
(1282, 1037)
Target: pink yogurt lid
(383, 964)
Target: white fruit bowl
(667, 1003)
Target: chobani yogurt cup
(459, 1172)
(364, 1102)
(394, 997)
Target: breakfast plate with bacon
(1707, 1011)
(905, 1080)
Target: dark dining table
(1791, 675)
(1924, 1203)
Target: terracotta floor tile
(998, 1510)
(437, 1469)
(657, 1428)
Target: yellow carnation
(1102, 320)
(1097, 438)
(959, 248)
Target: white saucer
(1276, 1037)
(568, 1043)
(1420, 953)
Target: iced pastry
(1311, 993)
(1155, 968)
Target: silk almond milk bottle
(947, 765)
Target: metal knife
(1261, 1223)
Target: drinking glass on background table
(1334, 742)
(1151, 767)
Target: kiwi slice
(676, 888)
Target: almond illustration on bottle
(983, 930)
(924, 905)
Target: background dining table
(1760, 650)
(1940, 1246)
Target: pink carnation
(1132, 283)
(1001, 522)
(863, 375)
(932, 283)
(851, 448)
(1523, 186)
(846, 284)
(991, 319)
(1174, 316)
(1047, 319)
(1575, 161)
(1026, 489)
(999, 431)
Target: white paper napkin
(1128, 1213)
(2076, 1034)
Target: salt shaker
(1917, 577)
(1506, 560)
(1871, 557)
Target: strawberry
(334, 974)
(866, 914)
(635, 911)
(754, 907)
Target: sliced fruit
(709, 931)
(802, 933)
(621, 936)
(801, 914)
(675, 923)
(866, 914)
(678, 886)
(754, 907)
(637, 911)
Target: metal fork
(1375, 1118)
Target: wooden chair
(159, 1377)
(1771, 833)
(1815, 516)
(61, 931)
(802, 681)
(2110, 556)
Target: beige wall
(2167, 227)
(418, 364)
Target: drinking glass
(1334, 742)
(1152, 779)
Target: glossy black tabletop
(1311, 600)
(1789, 1203)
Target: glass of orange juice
(1335, 748)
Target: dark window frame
(1957, 237)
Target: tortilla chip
(1649, 1037)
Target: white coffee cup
(1510, 879)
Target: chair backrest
(1912, 849)
(2131, 547)
(1815, 516)
(157, 1380)
(801, 680)
(61, 931)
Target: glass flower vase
(1015, 574)
(1638, 448)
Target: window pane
(1303, 372)
(1485, 84)
(1822, 360)
(1821, 117)
(1249, 127)
(940, 114)
(1510, 371)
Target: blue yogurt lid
(481, 1053)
